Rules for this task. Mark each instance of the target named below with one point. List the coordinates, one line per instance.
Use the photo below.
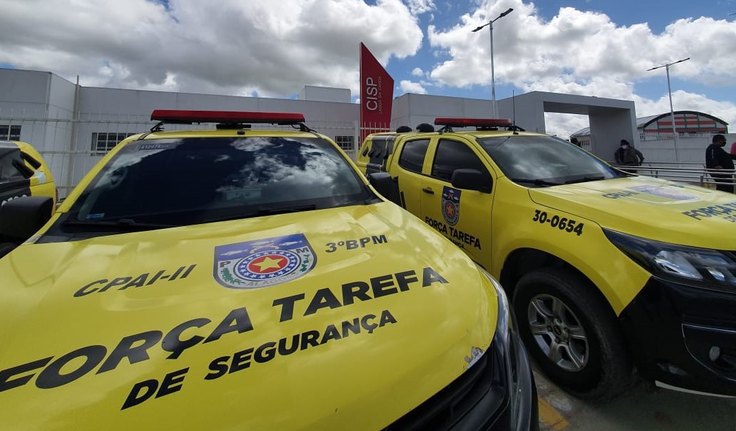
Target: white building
(656, 137)
(73, 126)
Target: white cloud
(417, 72)
(412, 87)
(420, 6)
(564, 125)
(239, 46)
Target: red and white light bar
(187, 116)
(472, 122)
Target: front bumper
(495, 393)
(684, 337)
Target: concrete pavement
(642, 407)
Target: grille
(444, 409)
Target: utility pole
(494, 109)
(672, 111)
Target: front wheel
(571, 333)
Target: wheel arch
(615, 374)
(522, 261)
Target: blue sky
(273, 48)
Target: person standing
(627, 155)
(717, 158)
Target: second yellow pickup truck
(607, 270)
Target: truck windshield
(543, 161)
(170, 182)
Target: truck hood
(651, 208)
(330, 319)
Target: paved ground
(643, 407)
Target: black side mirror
(23, 169)
(385, 185)
(471, 179)
(22, 217)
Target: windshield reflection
(195, 180)
(543, 161)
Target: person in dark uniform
(717, 158)
(626, 154)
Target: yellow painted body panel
(42, 184)
(133, 330)
(520, 226)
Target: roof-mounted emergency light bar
(228, 118)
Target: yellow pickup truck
(606, 270)
(236, 277)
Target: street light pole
(672, 111)
(493, 73)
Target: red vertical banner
(376, 95)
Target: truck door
(462, 215)
(411, 161)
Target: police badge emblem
(451, 205)
(262, 263)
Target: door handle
(428, 190)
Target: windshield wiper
(116, 224)
(264, 210)
(585, 179)
(535, 182)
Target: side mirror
(471, 179)
(385, 185)
(22, 217)
(24, 170)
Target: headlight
(702, 267)
(513, 371)
(504, 321)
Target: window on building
(11, 133)
(347, 143)
(104, 142)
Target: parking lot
(642, 407)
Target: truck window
(10, 159)
(527, 158)
(412, 155)
(453, 155)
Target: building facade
(656, 138)
(74, 126)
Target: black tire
(577, 342)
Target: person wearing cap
(717, 158)
(627, 155)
